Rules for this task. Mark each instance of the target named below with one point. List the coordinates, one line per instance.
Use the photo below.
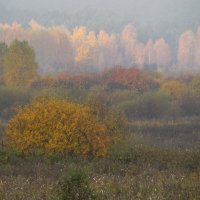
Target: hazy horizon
(167, 23)
(131, 10)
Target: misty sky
(147, 7)
(152, 18)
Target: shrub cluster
(57, 126)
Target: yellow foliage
(83, 53)
(57, 126)
(79, 34)
(173, 87)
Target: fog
(170, 13)
(151, 8)
(122, 32)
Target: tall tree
(20, 67)
(186, 49)
(162, 53)
(150, 58)
(129, 42)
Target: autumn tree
(85, 53)
(162, 53)
(20, 67)
(107, 50)
(78, 38)
(128, 42)
(57, 126)
(9, 33)
(140, 55)
(53, 48)
(186, 49)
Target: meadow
(154, 128)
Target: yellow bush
(173, 87)
(57, 126)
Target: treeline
(81, 109)
(58, 49)
(104, 100)
(139, 93)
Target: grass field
(136, 168)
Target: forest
(92, 129)
(79, 50)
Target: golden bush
(57, 126)
(173, 87)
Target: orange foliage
(57, 126)
(130, 78)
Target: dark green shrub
(147, 106)
(116, 122)
(190, 103)
(128, 149)
(98, 100)
(10, 98)
(60, 93)
(152, 105)
(76, 186)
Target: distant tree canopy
(57, 126)
(79, 50)
(19, 66)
